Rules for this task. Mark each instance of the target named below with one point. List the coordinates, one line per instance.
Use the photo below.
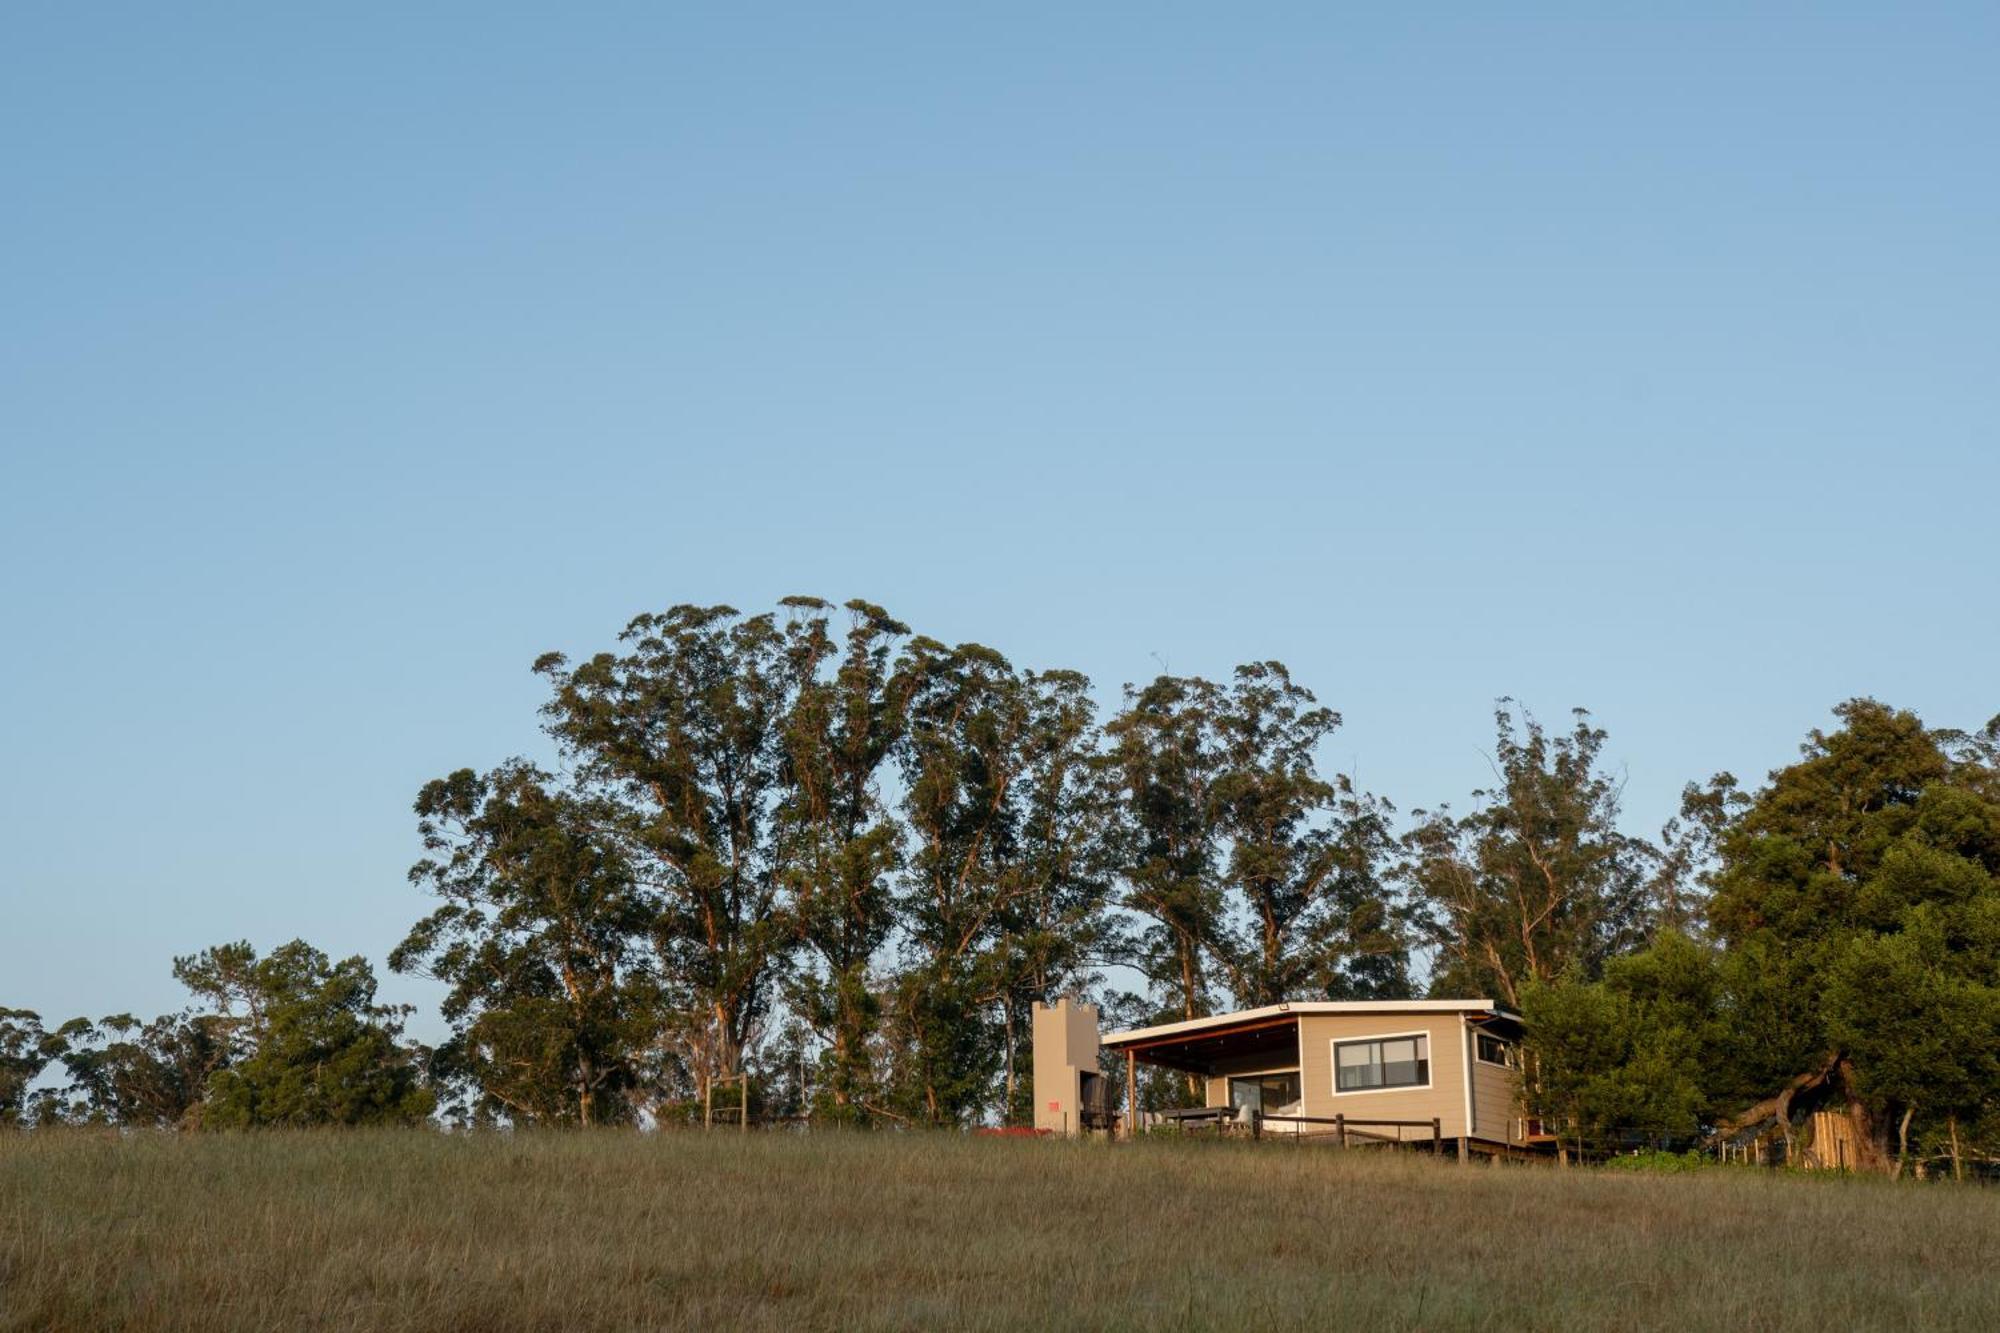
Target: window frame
(1430, 1071)
(1512, 1049)
(1297, 1076)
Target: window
(1382, 1062)
(1495, 1051)
(1269, 1094)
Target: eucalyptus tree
(1166, 757)
(964, 745)
(1056, 927)
(1536, 879)
(152, 1075)
(25, 1051)
(540, 939)
(1004, 897)
(837, 841)
(678, 745)
(1309, 913)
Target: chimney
(1065, 1039)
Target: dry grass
(426, 1232)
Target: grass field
(593, 1231)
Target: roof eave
(1302, 1008)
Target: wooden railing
(1345, 1128)
(1344, 1125)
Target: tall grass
(429, 1232)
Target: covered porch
(1260, 1074)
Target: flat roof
(1301, 1007)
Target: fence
(1344, 1130)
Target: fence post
(1340, 1128)
(1256, 1124)
(1437, 1136)
(746, 1103)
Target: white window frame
(1513, 1051)
(1430, 1061)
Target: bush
(1655, 1159)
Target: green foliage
(1162, 750)
(25, 1050)
(1857, 966)
(551, 1007)
(1624, 1059)
(677, 748)
(1243, 859)
(1658, 1161)
(1310, 916)
(848, 860)
(314, 1047)
(1005, 890)
(1536, 880)
(1866, 880)
(153, 1075)
(839, 845)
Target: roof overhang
(1283, 1015)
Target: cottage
(1442, 1071)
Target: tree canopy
(818, 848)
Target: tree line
(845, 859)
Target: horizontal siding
(1496, 1106)
(1443, 1100)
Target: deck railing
(1345, 1128)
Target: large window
(1268, 1094)
(1382, 1062)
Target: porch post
(1131, 1094)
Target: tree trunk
(1871, 1135)
(1007, 1111)
(1903, 1142)
(1957, 1161)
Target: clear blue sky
(349, 361)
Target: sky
(351, 359)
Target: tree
(838, 841)
(153, 1075)
(965, 743)
(25, 1050)
(677, 744)
(1055, 926)
(1536, 880)
(552, 1011)
(1624, 1060)
(1004, 892)
(1921, 1035)
(314, 1046)
(1684, 865)
(1309, 914)
(1865, 879)
(1165, 754)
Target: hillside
(418, 1231)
